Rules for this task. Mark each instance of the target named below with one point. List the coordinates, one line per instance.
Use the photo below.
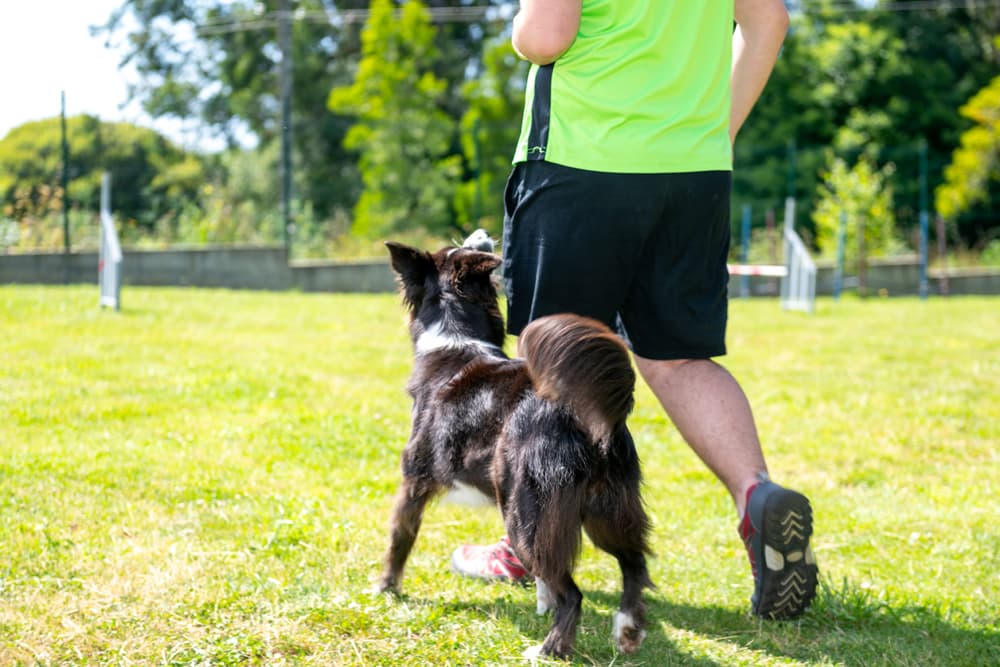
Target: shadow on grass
(848, 626)
(845, 626)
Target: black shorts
(643, 253)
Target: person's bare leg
(712, 413)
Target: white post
(110, 259)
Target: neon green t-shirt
(643, 89)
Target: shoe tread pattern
(787, 591)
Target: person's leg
(676, 316)
(713, 415)
(710, 410)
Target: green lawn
(205, 478)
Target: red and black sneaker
(495, 562)
(776, 528)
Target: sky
(45, 49)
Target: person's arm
(545, 29)
(760, 29)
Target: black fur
(545, 437)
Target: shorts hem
(678, 355)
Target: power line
(504, 12)
(914, 5)
(461, 14)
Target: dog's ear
(471, 264)
(413, 267)
(410, 264)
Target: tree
(862, 193)
(975, 164)
(151, 175)
(882, 79)
(490, 130)
(215, 65)
(403, 136)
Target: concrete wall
(328, 276)
(235, 267)
(267, 268)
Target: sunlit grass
(205, 478)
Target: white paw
(545, 601)
(626, 633)
(533, 653)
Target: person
(618, 208)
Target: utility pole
(285, 44)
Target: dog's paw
(545, 601)
(533, 653)
(384, 588)
(628, 634)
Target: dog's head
(452, 291)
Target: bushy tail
(581, 364)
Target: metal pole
(285, 44)
(924, 215)
(942, 249)
(772, 249)
(65, 175)
(838, 272)
(862, 260)
(791, 170)
(745, 250)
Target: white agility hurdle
(798, 285)
(110, 258)
(798, 274)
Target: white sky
(46, 48)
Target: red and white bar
(757, 270)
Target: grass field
(205, 478)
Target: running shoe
(496, 562)
(776, 529)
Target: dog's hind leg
(411, 499)
(629, 549)
(616, 522)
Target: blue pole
(745, 251)
(838, 272)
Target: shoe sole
(787, 572)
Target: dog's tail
(581, 364)
(582, 367)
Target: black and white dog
(543, 437)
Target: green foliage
(991, 253)
(403, 137)
(882, 80)
(975, 164)
(150, 175)
(489, 134)
(863, 193)
(225, 76)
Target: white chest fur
(468, 496)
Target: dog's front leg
(407, 514)
(568, 601)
